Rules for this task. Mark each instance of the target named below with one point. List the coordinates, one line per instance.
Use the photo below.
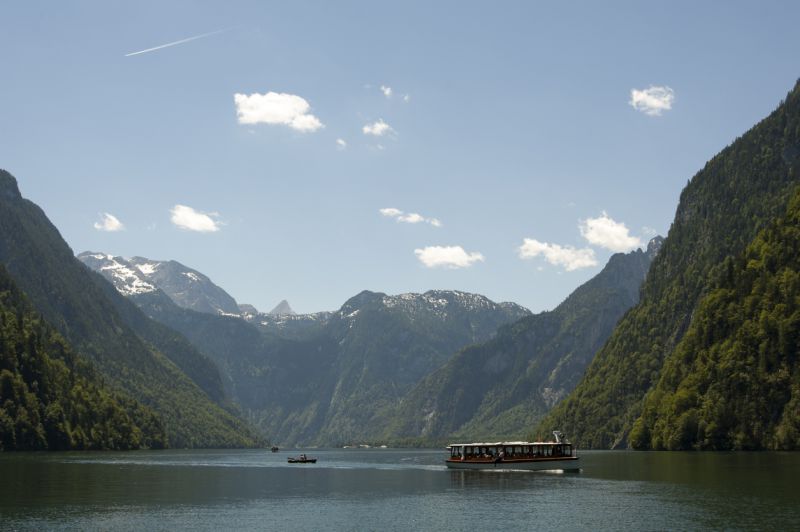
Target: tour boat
(531, 456)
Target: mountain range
(325, 378)
(689, 344)
(397, 368)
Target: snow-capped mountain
(438, 303)
(188, 288)
(433, 306)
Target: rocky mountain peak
(8, 186)
(654, 246)
(281, 308)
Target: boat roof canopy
(506, 443)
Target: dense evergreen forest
(742, 190)
(51, 398)
(734, 380)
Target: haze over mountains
(326, 378)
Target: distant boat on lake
(531, 456)
(302, 459)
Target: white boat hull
(564, 464)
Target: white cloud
(406, 98)
(451, 257)
(276, 108)
(605, 232)
(187, 218)
(652, 101)
(410, 217)
(377, 129)
(567, 256)
(391, 212)
(108, 222)
(341, 144)
(387, 91)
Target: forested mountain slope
(738, 192)
(152, 364)
(51, 398)
(733, 382)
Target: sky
(310, 150)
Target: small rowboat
(302, 459)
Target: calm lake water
(391, 489)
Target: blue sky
(506, 121)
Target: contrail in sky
(176, 42)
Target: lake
(394, 489)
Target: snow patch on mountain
(125, 278)
(148, 268)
